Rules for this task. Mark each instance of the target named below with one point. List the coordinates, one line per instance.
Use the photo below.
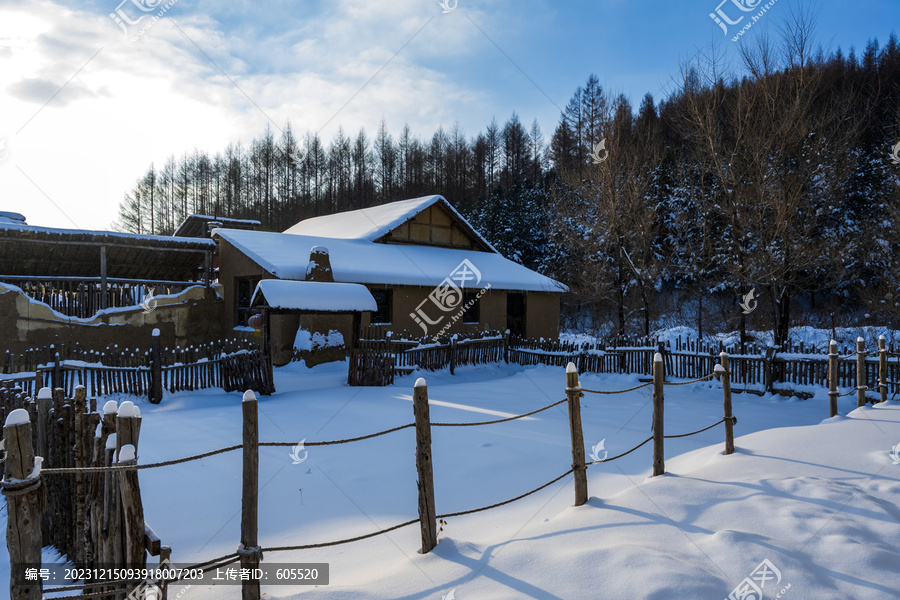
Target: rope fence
(522, 416)
(710, 376)
(671, 437)
(609, 393)
(250, 552)
(626, 453)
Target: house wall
(541, 313)
(195, 316)
(433, 226)
(234, 264)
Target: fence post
(57, 372)
(882, 368)
(45, 401)
(769, 369)
(128, 427)
(574, 393)
(23, 505)
(726, 398)
(424, 467)
(155, 369)
(861, 386)
(81, 530)
(833, 378)
(453, 354)
(249, 550)
(659, 461)
(506, 347)
(165, 553)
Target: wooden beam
(103, 285)
(151, 541)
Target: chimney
(319, 267)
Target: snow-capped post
(57, 372)
(79, 457)
(21, 483)
(725, 363)
(861, 386)
(249, 549)
(506, 346)
(659, 460)
(128, 428)
(424, 467)
(574, 393)
(832, 378)
(769, 368)
(452, 354)
(155, 369)
(882, 368)
(45, 402)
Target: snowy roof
(196, 225)
(373, 223)
(362, 261)
(108, 237)
(12, 217)
(313, 295)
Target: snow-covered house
(428, 269)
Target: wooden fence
(755, 370)
(375, 362)
(83, 297)
(93, 518)
(31, 360)
(238, 370)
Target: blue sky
(85, 107)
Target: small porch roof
(312, 296)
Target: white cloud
(139, 101)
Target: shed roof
(313, 296)
(26, 250)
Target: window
(384, 312)
(245, 287)
(472, 313)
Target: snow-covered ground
(818, 498)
